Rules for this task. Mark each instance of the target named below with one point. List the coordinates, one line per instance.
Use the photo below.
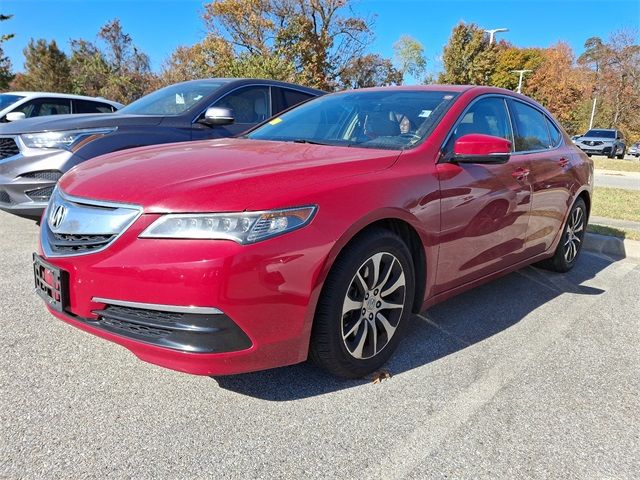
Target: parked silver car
(601, 141)
(20, 105)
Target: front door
(484, 207)
(250, 106)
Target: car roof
(60, 95)
(252, 81)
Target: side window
(556, 136)
(87, 106)
(45, 106)
(249, 104)
(487, 116)
(28, 108)
(531, 128)
(293, 97)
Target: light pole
(493, 31)
(521, 72)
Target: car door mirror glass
(217, 116)
(480, 148)
(13, 116)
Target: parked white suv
(19, 105)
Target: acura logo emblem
(57, 215)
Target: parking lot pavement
(535, 375)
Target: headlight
(245, 227)
(67, 140)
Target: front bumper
(27, 178)
(596, 149)
(266, 293)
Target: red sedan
(317, 234)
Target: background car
(35, 153)
(635, 149)
(20, 105)
(602, 141)
(315, 235)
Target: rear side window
(556, 136)
(284, 98)
(531, 128)
(87, 106)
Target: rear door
(484, 207)
(540, 142)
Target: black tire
(332, 350)
(563, 260)
(589, 155)
(621, 156)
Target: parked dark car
(34, 153)
(602, 141)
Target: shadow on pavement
(443, 330)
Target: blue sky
(158, 26)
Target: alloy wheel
(573, 237)
(373, 305)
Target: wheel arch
(403, 224)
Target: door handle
(563, 162)
(520, 173)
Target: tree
(46, 68)
(5, 63)
(409, 55)
(509, 58)
(370, 71)
(614, 68)
(118, 71)
(559, 86)
(468, 58)
(308, 41)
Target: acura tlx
(317, 234)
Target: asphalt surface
(535, 375)
(626, 180)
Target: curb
(618, 247)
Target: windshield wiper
(310, 142)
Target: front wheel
(566, 254)
(621, 156)
(364, 306)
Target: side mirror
(13, 116)
(217, 116)
(479, 148)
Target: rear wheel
(570, 244)
(364, 307)
(621, 156)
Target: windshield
(601, 133)
(387, 119)
(172, 100)
(7, 99)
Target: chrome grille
(8, 148)
(77, 226)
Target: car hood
(76, 121)
(216, 175)
(597, 139)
